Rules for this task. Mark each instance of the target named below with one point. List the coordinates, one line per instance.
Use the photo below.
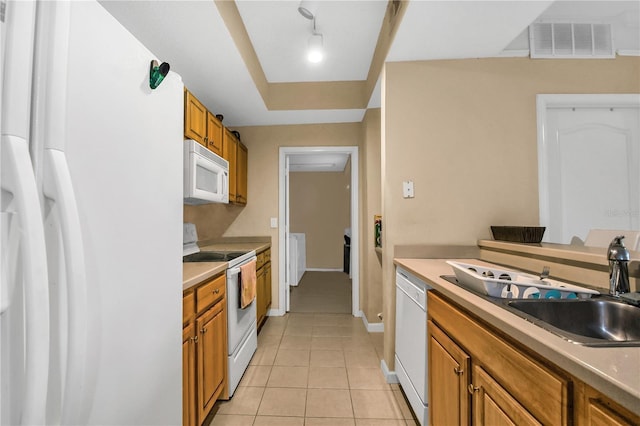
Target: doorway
(588, 160)
(286, 279)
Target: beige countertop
(613, 371)
(234, 246)
(195, 272)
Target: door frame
(283, 285)
(545, 102)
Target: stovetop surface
(233, 257)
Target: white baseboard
(390, 376)
(275, 312)
(324, 269)
(376, 327)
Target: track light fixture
(307, 8)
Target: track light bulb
(315, 53)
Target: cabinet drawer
(209, 293)
(260, 260)
(188, 307)
(542, 392)
(267, 256)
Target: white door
(591, 160)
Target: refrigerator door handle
(18, 179)
(58, 188)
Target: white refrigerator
(91, 222)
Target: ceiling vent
(570, 40)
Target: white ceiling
(280, 36)
(193, 38)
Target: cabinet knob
(458, 371)
(216, 291)
(203, 330)
(194, 339)
(472, 388)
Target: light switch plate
(274, 222)
(407, 189)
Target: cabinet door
(260, 306)
(229, 153)
(492, 404)
(214, 134)
(595, 409)
(267, 285)
(448, 379)
(212, 357)
(195, 118)
(188, 376)
(241, 179)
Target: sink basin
(599, 321)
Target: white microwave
(206, 175)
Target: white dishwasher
(411, 341)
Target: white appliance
(206, 175)
(411, 341)
(242, 329)
(298, 259)
(91, 174)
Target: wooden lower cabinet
(189, 416)
(263, 297)
(211, 328)
(260, 310)
(596, 409)
(449, 373)
(506, 384)
(267, 286)
(204, 349)
(493, 405)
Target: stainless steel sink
(600, 321)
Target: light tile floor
(315, 370)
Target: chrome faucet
(618, 256)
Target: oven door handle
(233, 271)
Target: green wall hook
(157, 73)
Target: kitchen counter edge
(193, 273)
(612, 371)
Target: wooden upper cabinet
(241, 178)
(195, 119)
(229, 153)
(214, 134)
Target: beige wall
(320, 208)
(370, 200)
(465, 132)
(263, 143)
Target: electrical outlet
(407, 189)
(274, 222)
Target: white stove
(242, 332)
